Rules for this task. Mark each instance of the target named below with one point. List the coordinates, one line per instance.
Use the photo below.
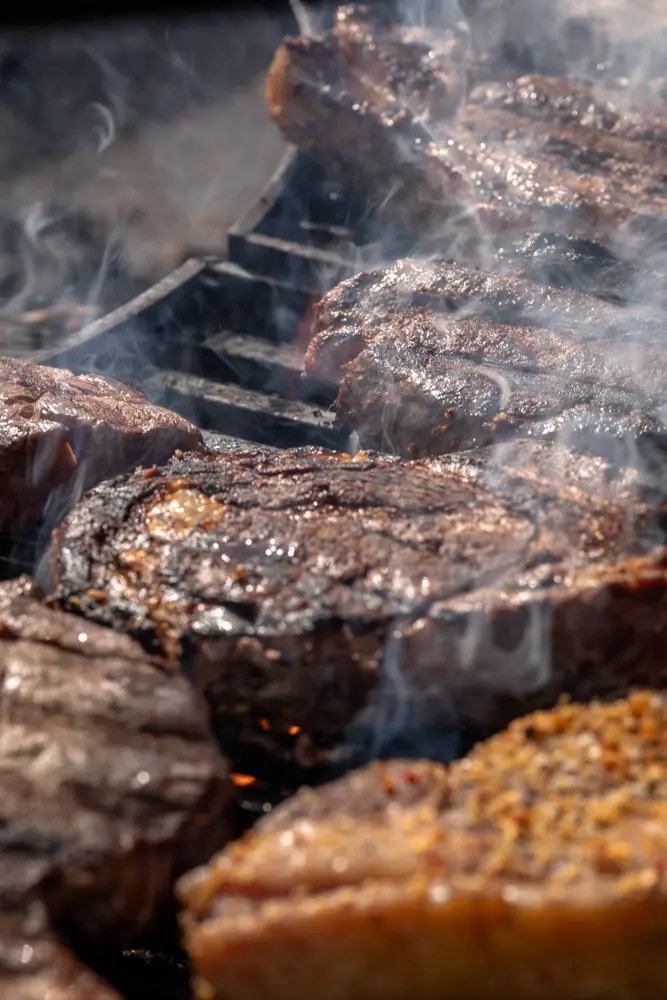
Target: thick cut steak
(435, 357)
(304, 594)
(557, 100)
(110, 787)
(534, 867)
(61, 433)
(372, 109)
(360, 309)
(407, 396)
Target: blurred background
(125, 147)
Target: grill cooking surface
(219, 341)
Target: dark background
(150, 132)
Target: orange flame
(243, 780)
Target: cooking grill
(219, 340)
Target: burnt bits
(306, 595)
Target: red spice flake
(389, 785)
(265, 725)
(149, 473)
(411, 777)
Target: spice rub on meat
(285, 585)
(61, 433)
(535, 866)
(110, 787)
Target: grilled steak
(33, 963)
(414, 393)
(572, 145)
(61, 433)
(292, 586)
(366, 118)
(554, 99)
(110, 788)
(533, 867)
(360, 309)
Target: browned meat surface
(360, 309)
(379, 115)
(61, 433)
(426, 388)
(110, 787)
(380, 152)
(557, 100)
(34, 965)
(534, 867)
(289, 585)
(573, 145)
(421, 68)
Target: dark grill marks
(285, 584)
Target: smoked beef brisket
(534, 867)
(61, 433)
(305, 594)
(110, 788)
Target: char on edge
(62, 433)
(562, 588)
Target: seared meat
(532, 868)
(412, 391)
(583, 265)
(573, 145)
(291, 586)
(380, 152)
(61, 433)
(425, 71)
(555, 99)
(110, 787)
(366, 117)
(359, 309)
(34, 965)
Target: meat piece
(583, 265)
(61, 433)
(555, 99)
(412, 392)
(34, 964)
(380, 152)
(575, 146)
(533, 867)
(423, 68)
(111, 786)
(444, 183)
(292, 588)
(357, 310)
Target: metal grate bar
(250, 414)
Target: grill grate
(218, 341)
